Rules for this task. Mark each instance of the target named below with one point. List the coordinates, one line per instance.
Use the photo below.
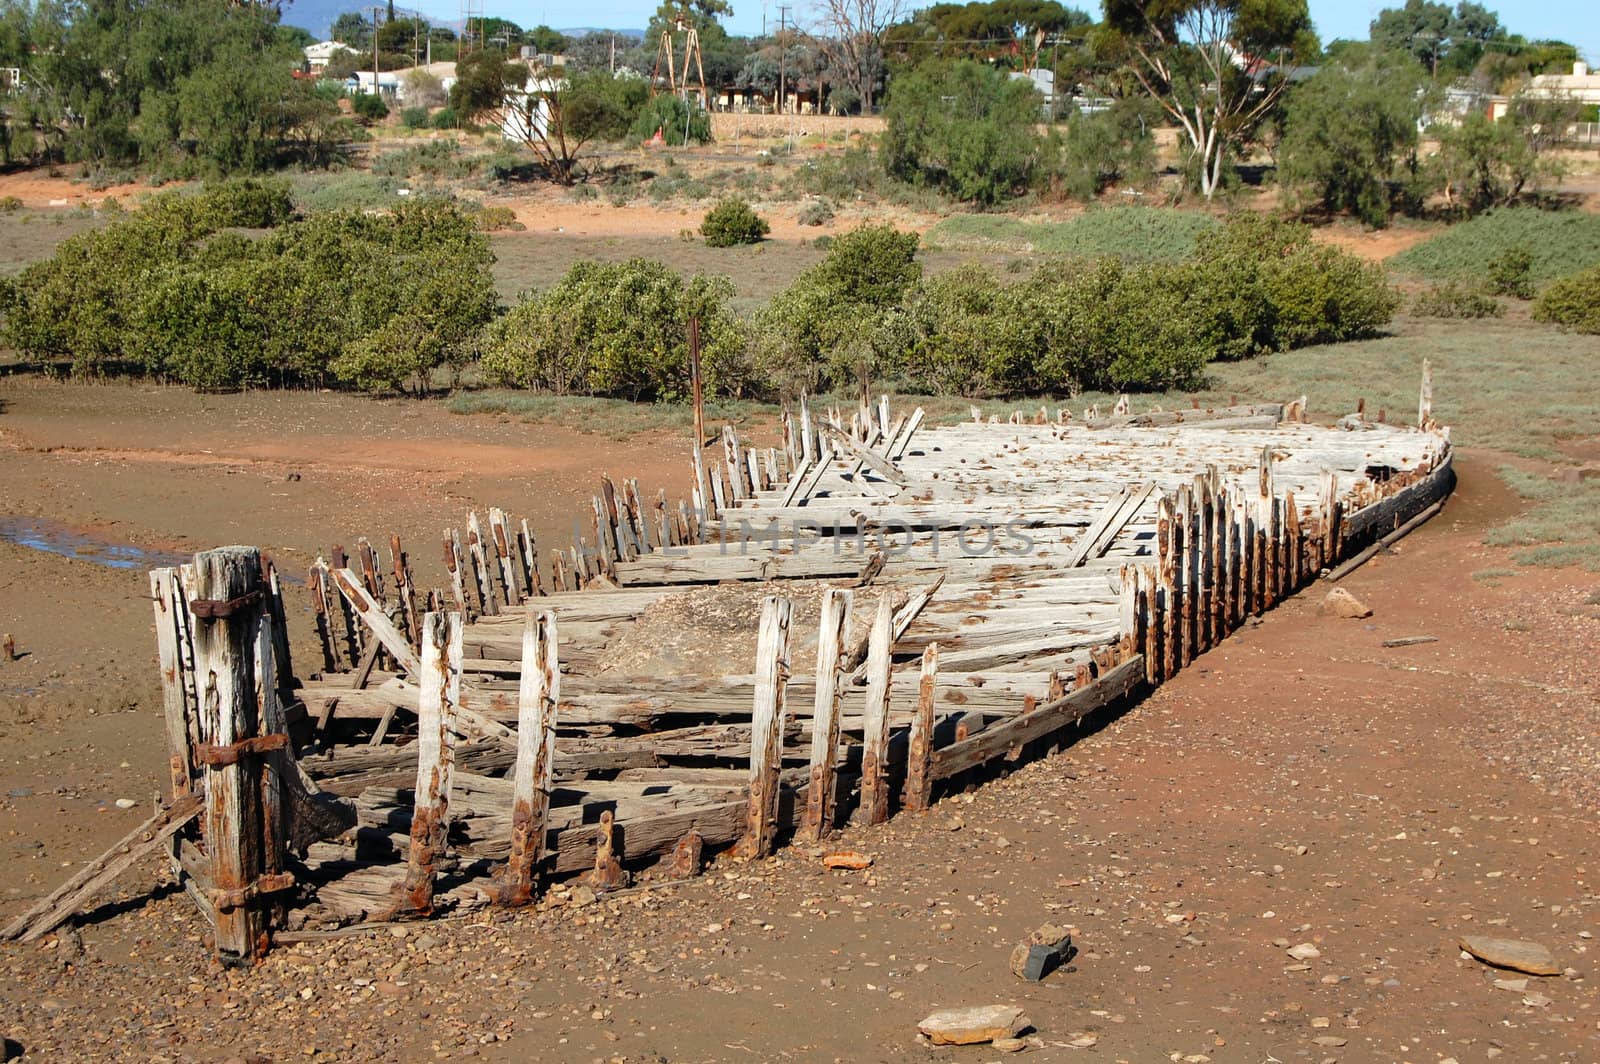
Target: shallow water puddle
(55, 538)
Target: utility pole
(783, 55)
(375, 92)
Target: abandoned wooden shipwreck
(839, 627)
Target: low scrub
(172, 290)
(1558, 243)
(1455, 300)
(731, 223)
(1129, 233)
(1572, 303)
(619, 329)
(1257, 285)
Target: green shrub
(9, 204)
(1101, 150)
(970, 335)
(1262, 284)
(848, 176)
(1573, 303)
(963, 127)
(414, 118)
(166, 290)
(246, 203)
(619, 329)
(816, 212)
(1130, 233)
(839, 315)
(733, 222)
(1561, 243)
(1511, 273)
(1455, 300)
(497, 217)
(445, 118)
(677, 122)
(435, 158)
(370, 106)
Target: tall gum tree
(1214, 66)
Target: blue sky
(1576, 21)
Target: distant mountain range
(317, 16)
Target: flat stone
(847, 859)
(1340, 603)
(973, 1025)
(1305, 951)
(1517, 954)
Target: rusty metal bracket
(219, 756)
(224, 900)
(216, 609)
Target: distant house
(526, 114)
(318, 56)
(1045, 82)
(1579, 86)
(361, 83)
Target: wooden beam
(767, 719)
(820, 793)
(919, 762)
(1117, 684)
(440, 679)
(537, 697)
(375, 619)
(875, 727)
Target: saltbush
(414, 118)
(376, 301)
(370, 106)
(1511, 273)
(816, 212)
(1573, 302)
(1455, 300)
(733, 222)
(619, 329)
(840, 315)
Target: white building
(318, 55)
(526, 114)
(388, 84)
(1580, 85)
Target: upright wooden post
(483, 583)
(502, 552)
(733, 458)
(831, 637)
(226, 611)
(455, 564)
(1167, 538)
(322, 607)
(875, 727)
(533, 582)
(167, 599)
(919, 757)
(1425, 398)
(406, 591)
(766, 732)
(537, 697)
(696, 384)
(438, 695)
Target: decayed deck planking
(1022, 575)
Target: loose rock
(973, 1025)
(1340, 603)
(1519, 955)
